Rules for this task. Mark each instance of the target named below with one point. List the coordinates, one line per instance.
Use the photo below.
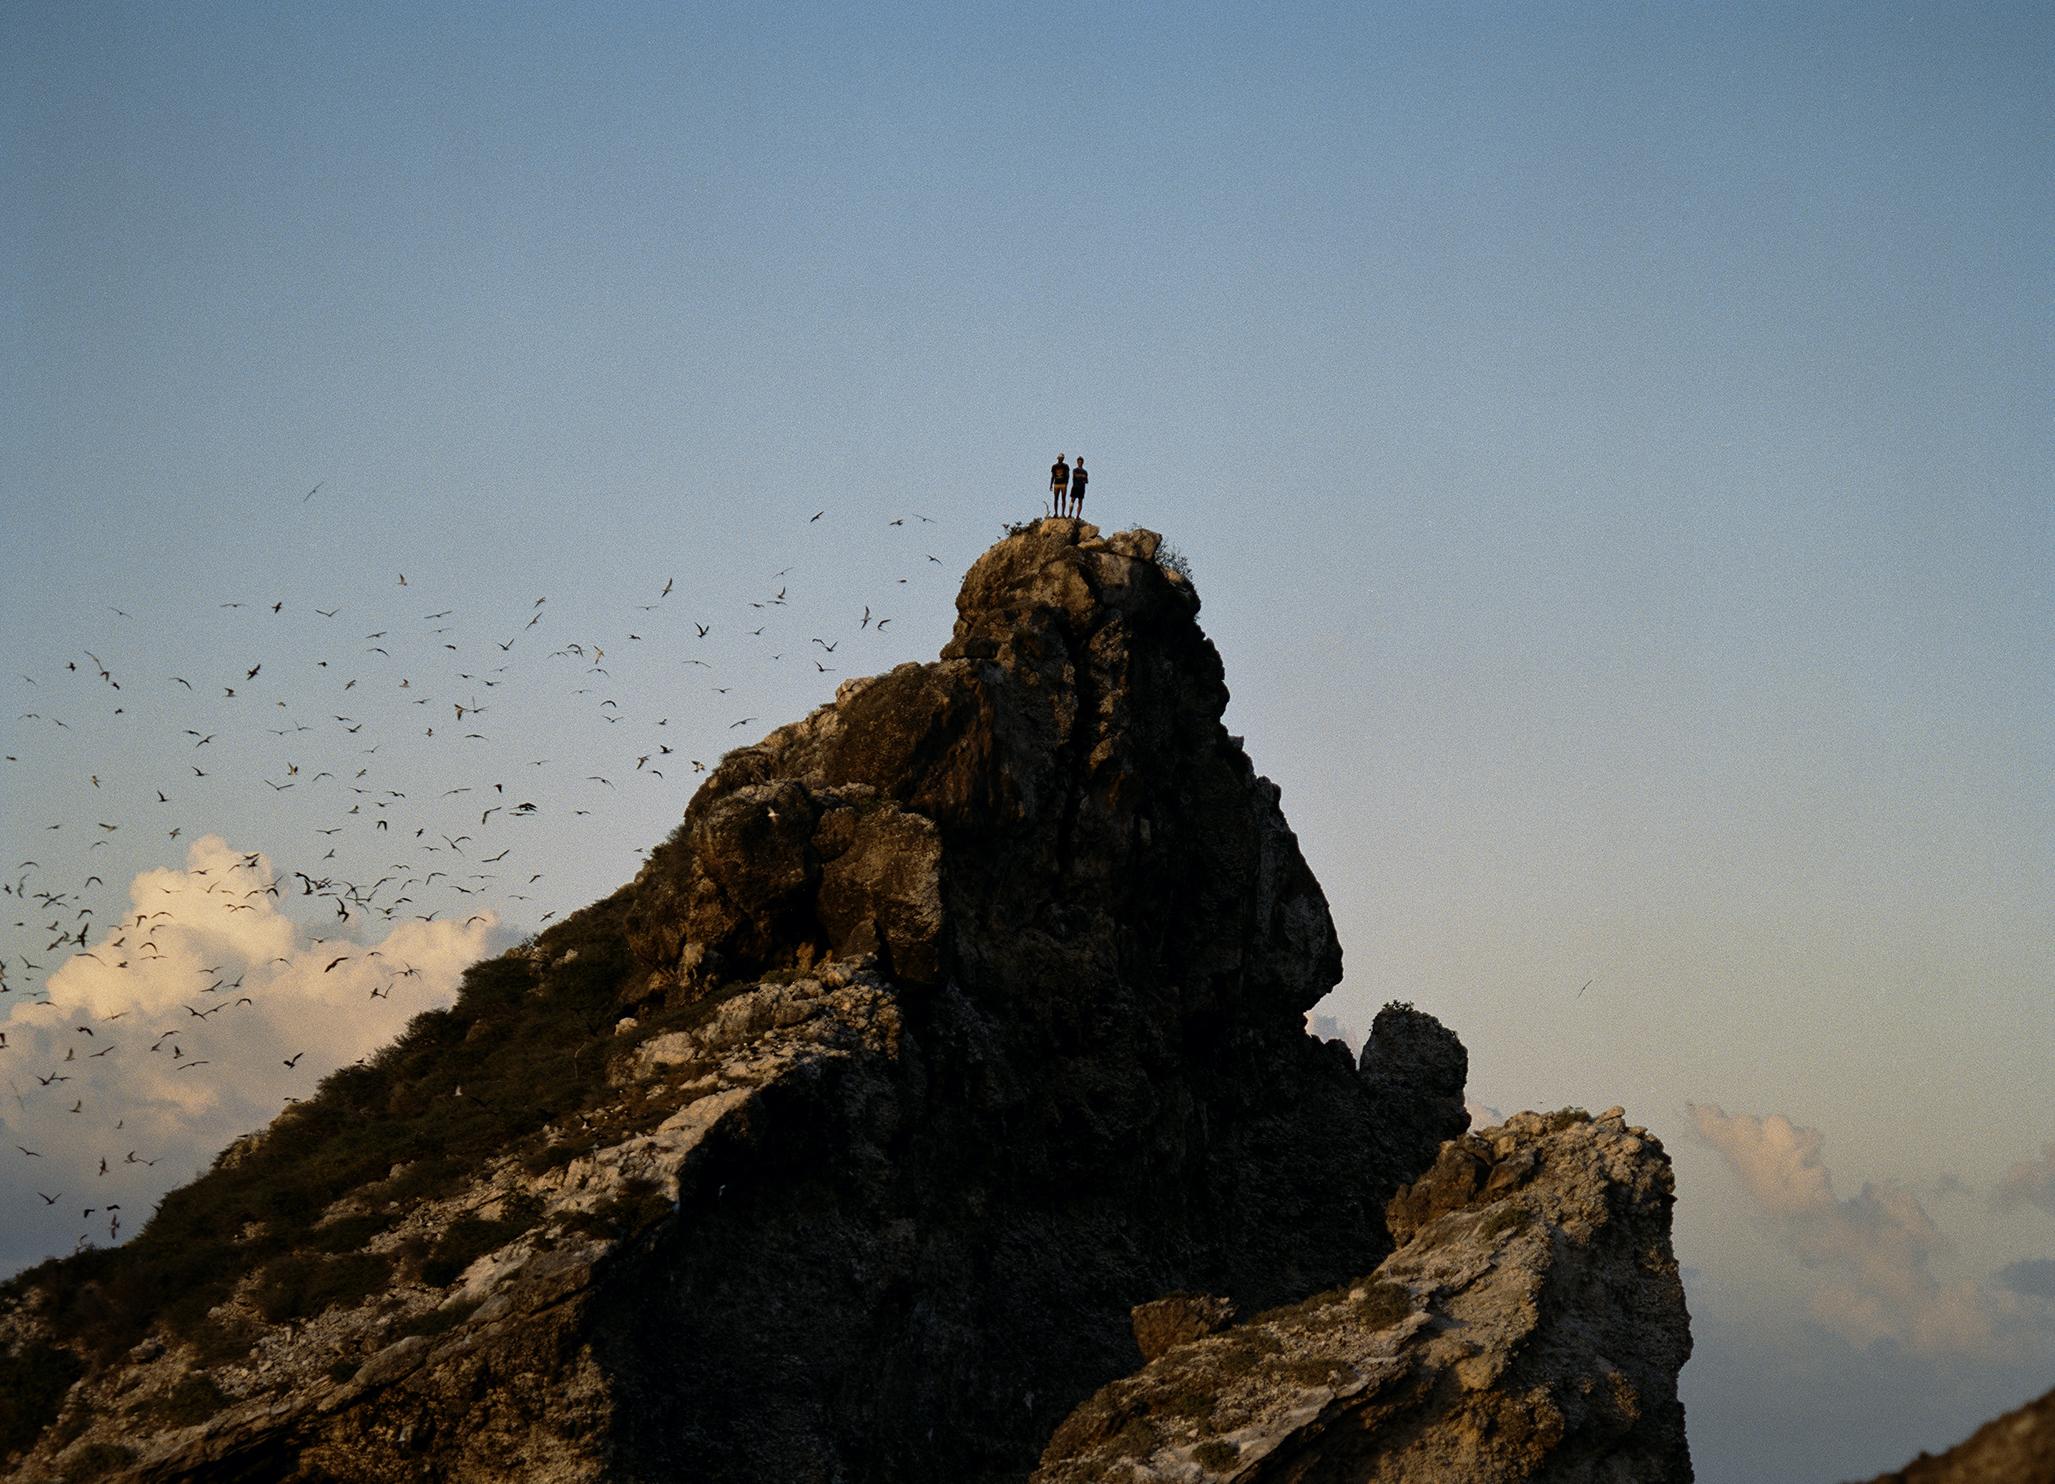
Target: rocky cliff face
(955, 1021)
(1529, 1326)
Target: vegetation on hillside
(526, 1044)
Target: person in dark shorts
(1059, 484)
(1077, 487)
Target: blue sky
(1611, 441)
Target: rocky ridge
(955, 1021)
(2017, 1448)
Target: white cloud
(169, 1036)
(1334, 1028)
(2031, 1182)
(1875, 1250)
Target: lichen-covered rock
(1530, 1327)
(954, 1021)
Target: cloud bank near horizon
(190, 1022)
(2030, 1182)
(1876, 1252)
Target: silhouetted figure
(1059, 484)
(1077, 487)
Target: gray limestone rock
(1530, 1326)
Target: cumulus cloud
(1946, 1186)
(171, 1035)
(2031, 1182)
(1334, 1028)
(1483, 1115)
(1875, 1250)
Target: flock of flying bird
(349, 728)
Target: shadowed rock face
(970, 1016)
(1104, 941)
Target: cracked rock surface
(1529, 1326)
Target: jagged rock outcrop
(2018, 1448)
(1530, 1326)
(1414, 1069)
(955, 1021)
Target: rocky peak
(1051, 807)
(955, 1021)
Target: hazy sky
(1612, 443)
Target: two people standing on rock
(1067, 486)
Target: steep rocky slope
(1530, 1326)
(954, 1021)
(2018, 1448)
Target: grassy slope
(528, 1042)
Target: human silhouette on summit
(1077, 487)
(1059, 483)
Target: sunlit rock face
(1529, 1327)
(954, 1021)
